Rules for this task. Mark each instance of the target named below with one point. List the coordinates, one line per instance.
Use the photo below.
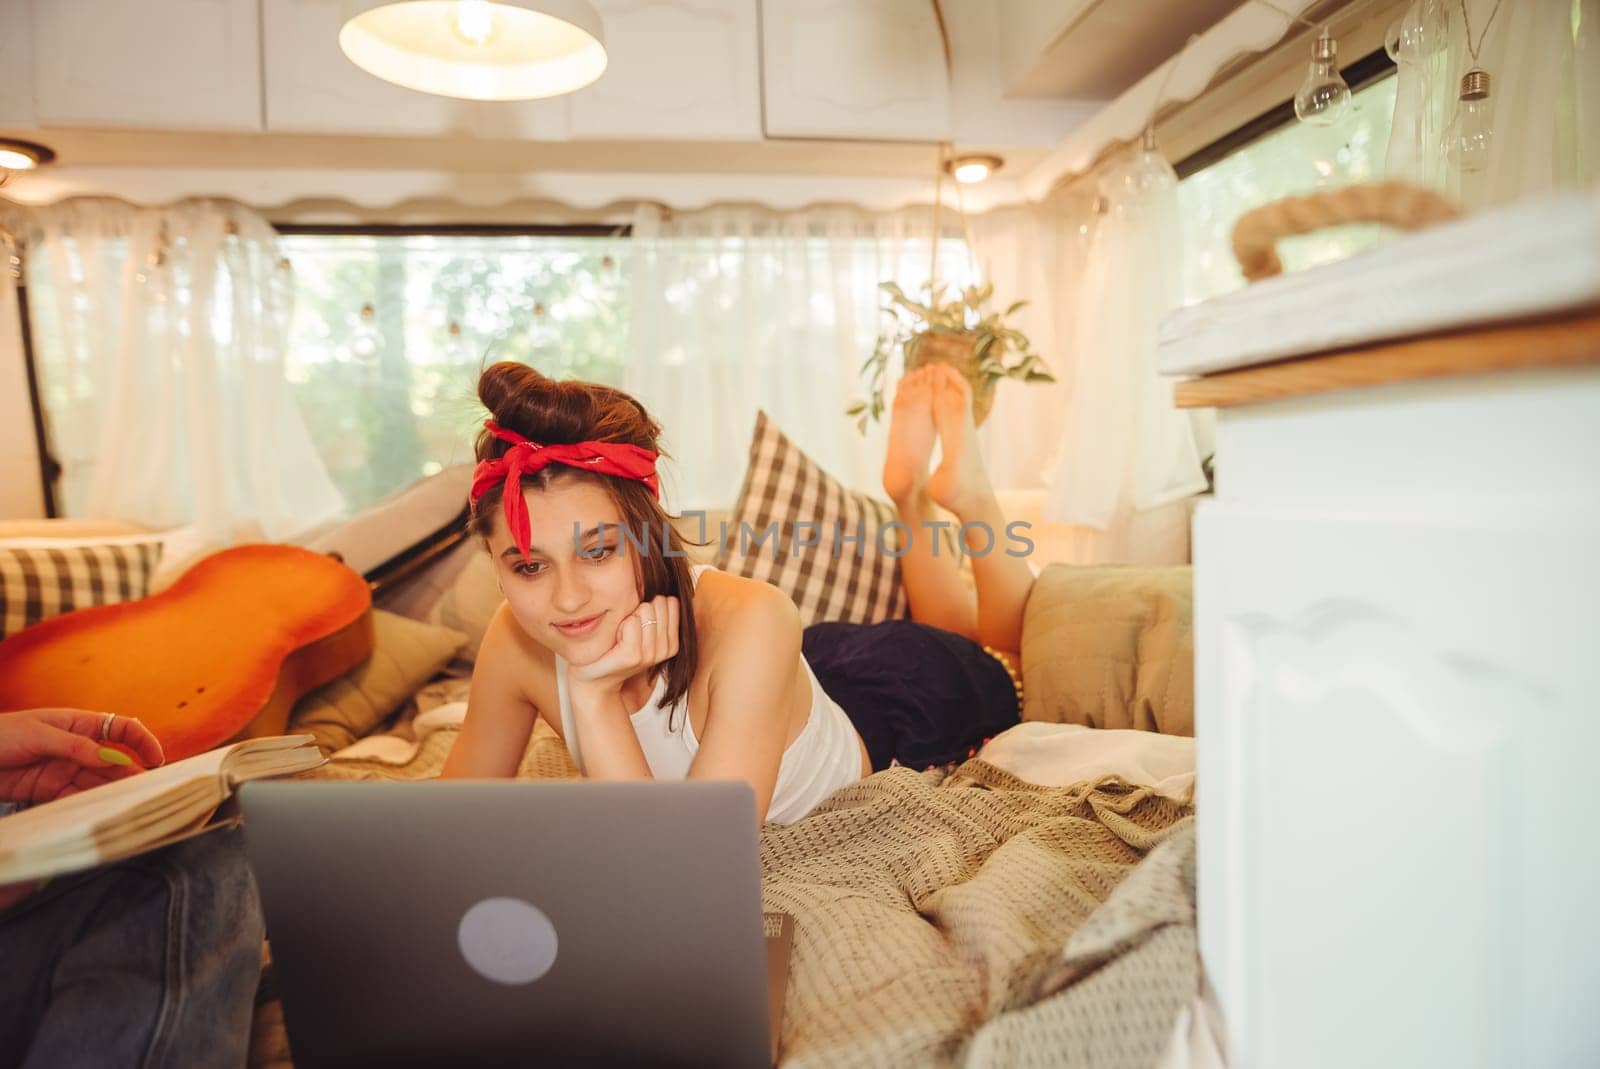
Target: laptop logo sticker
(507, 940)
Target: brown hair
(549, 412)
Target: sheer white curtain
(159, 337)
(1127, 460)
(1030, 254)
(1543, 59)
(737, 309)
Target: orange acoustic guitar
(223, 654)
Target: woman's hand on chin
(646, 637)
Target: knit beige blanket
(933, 923)
(941, 919)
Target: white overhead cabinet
(680, 70)
(16, 65)
(176, 64)
(313, 88)
(848, 69)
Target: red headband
(620, 459)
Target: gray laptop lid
(483, 923)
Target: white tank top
(823, 757)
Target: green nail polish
(114, 757)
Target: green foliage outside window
(389, 334)
(1293, 159)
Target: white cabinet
(1397, 606)
(1397, 613)
(312, 88)
(981, 113)
(854, 69)
(173, 64)
(678, 70)
(16, 65)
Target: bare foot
(911, 434)
(961, 483)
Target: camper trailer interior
(1105, 493)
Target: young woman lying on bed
(650, 668)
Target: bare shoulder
(731, 612)
(513, 683)
(512, 663)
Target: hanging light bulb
(1470, 136)
(1324, 97)
(473, 21)
(1393, 39)
(1150, 172)
(1127, 186)
(1418, 33)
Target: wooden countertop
(1567, 341)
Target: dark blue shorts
(917, 694)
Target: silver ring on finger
(105, 726)
(647, 623)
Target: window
(1293, 158)
(390, 330)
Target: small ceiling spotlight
(971, 169)
(23, 155)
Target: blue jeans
(150, 962)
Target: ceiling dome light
(972, 169)
(477, 49)
(22, 155)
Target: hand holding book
(130, 809)
(51, 753)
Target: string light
(1323, 98)
(1469, 138)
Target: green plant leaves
(963, 314)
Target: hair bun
(507, 388)
(552, 412)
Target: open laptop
(514, 923)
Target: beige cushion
(470, 602)
(1110, 646)
(405, 655)
(391, 527)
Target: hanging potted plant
(958, 332)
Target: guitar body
(223, 654)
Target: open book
(134, 815)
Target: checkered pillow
(41, 578)
(833, 580)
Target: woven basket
(946, 347)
